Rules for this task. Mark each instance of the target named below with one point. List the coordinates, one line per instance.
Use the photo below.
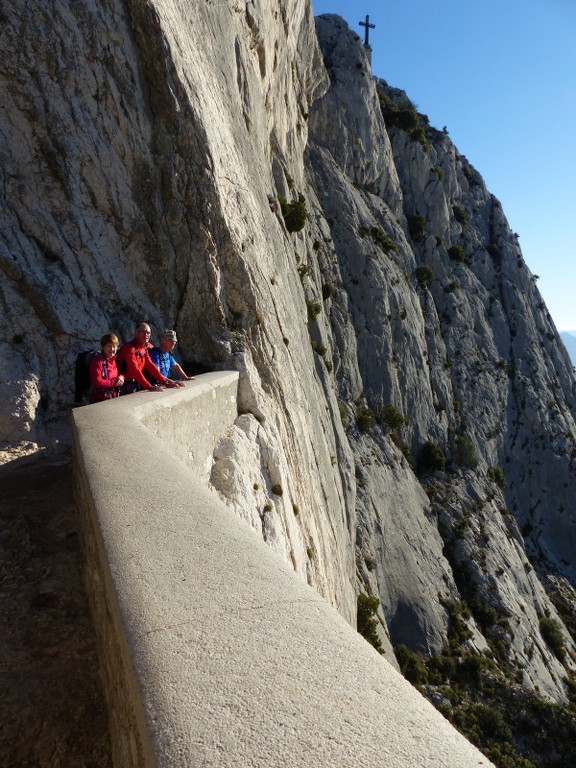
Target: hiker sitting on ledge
(134, 359)
(105, 382)
(163, 359)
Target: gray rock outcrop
(147, 150)
(455, 336)
(569, 339)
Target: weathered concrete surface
(192, 427)
(216, 652)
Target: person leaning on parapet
(105, 381)
(134, 359)
(163, 358)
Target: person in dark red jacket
(105, 381)
(134, 360)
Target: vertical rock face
(446, 342)
(142, 144)
(407, 410)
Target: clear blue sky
(501, 76)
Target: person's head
(142, 333)
(168, 340)
(109, 344)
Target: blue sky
(501, 76)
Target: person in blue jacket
(163, 358)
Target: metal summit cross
(367, 27)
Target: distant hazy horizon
(569, 340)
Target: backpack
(82, 384)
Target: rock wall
(147, 150)
(141, 143)
(444, 339)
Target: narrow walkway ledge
(214, 652)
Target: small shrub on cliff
(552, 634)
(469, 670)
(303, 270)
(314, 308)
(370, 562)
(380, 238)
(431, 458)
(364, 419)
(424, 275)
(417, 227)
(486, 724)
(457, 253)
(366, 623)
(391, 416)
(344, 414)
(471, 175)
(294, 213)
(466, 454)
(402, 445)
(496, 474)
(411, 665)
(405, 117)
(318, 347)
(460, 215)
(458, 631)
(441, 668)
(439, 172)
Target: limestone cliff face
(141, 145)
(145, 148)
(439, 322)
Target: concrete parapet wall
(191, 426)
(214, 652)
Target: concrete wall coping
(229, 658)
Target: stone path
(52, 711)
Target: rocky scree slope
(407, 410)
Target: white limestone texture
(144, 149)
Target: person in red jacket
(105, 381)
(134, 359)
